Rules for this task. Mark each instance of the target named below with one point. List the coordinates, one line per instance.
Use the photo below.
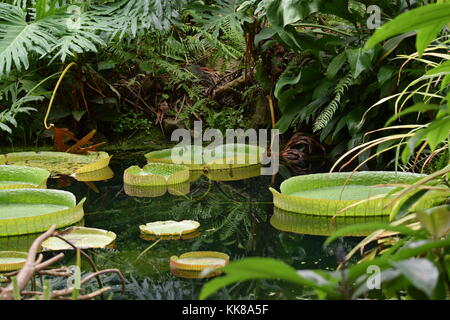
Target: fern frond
(328, 112)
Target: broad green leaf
(412, 20)
(360, 60)
(436, 220)
(419, 107)
(283, 12)
(426, 35)
(336, 65)
(420, 272)
(254, 268)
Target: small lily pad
(187, 236)
(199, 260)
(81, 237)
(157, 191)
(17, 177)
(12, 260)
(170, 227)
(156, 174)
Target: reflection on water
(234, 210)
(318, 225)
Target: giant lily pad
(12, 260)
(199, 260)
(220, 157)
(365, 193)
(80, 237)
(156, 174)
(234, 174)
(187, 236)
(97, 175)
(318, 225)
(170, 227)
(24, 211)
(190, 274)
(58, 162)
(16, 177)
(157, 191)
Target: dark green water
(235, 219)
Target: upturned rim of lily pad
(12, 266)
(56, 244)
(175, 261)
(39, 222)
(23, 177)
(375, 206)
(224, 156)
(156, 174)
(190, 226)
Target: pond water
(235, 219)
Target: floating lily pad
(98, 175)
(189, 274)
(156, 174)
(318, 225)
(58, 162)
(24, 211)
(234, 174)
(188, 236)
(220, 157)
(81, 237)
(157, 191)
(12, 260)
(170, 227)
(16, 177)
(199, 260)
(328, 193)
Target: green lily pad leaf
(436, 220)
(234, 174)
(364, 194)
(319, 225)
(170, 227)
(220, 157)
(420, 272)
(80, 237)
(16, 177)
(98, 175)
(12, 260)
(199, 260)
(156, 174)
(58, 162)
(157, 191)
(24, 211)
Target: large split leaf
(14, 177)
(363, 193)
(24, 211)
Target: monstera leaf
(24, 211)
(58, 162)
(15, 177)
(363, 193)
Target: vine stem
(54, 94)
